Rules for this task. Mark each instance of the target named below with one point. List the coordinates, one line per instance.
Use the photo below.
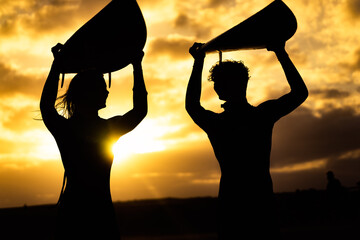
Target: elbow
(191, 107)
(188, 107)
(304, 94)
(301, 95)
(43, 106)
(189, 103)
(46, 107)
(140, 108)
(142, 111)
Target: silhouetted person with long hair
(84, 140)
(241, 139)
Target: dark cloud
(149, 3)
(36, 17)
(329, 93)
(218, 3)
(356, 64)
(353, 63)
(346, 169)
(12, 82)
(353, 7)
(291, 181)
(184, 22)
(303, 137)
(7, 26)
(176, 48)
(48, 16)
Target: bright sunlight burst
(144, 138)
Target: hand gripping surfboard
(108, 41)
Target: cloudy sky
(168, 155)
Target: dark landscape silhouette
(302, 215)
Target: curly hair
(227, 68)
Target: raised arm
(48, 97)
(298, 90)
(127, 122)
(139, 91)
(193, 93)
(200, 116)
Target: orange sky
(168, 155)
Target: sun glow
(144, 139)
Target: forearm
(193, 92)
(293, 77)
(49, 94)
(139, 90)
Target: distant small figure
(333, 185)
(335, 192)
(85, 140)
(241, 138)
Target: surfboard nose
(275, 23)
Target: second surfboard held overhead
(273, 24)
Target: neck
(235, 103)
(238, 100)
(86, 113)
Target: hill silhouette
(303, 214)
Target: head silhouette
(230, 79)
(87, 90)
(330, 175)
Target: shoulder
(264, 106)
(268, 109)
(58, 126)
(114, 119)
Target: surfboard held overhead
(108, 41)
(274, 23)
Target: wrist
(141, 90)
(137, 66)
(199, 61)
(55, 67)
(281, 53)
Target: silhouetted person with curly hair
(84, 141)
(241, 138)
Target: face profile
(87, 90)
(97, 93)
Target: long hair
(77, 89)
